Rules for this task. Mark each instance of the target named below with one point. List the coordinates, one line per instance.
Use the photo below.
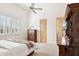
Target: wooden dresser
(72, 31)
(32, 35)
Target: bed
(4, 52)
(9, 48)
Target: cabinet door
(65, 51)
(75, 24)
(75, 50)
(31, 35)
(68, 51)
(61, 51)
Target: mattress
(15, 49)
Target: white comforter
(14, 49)
(4, 52)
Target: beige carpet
(46, 50)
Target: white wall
(15, 11)
(50, 12)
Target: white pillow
(16, 38)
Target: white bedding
(4, 52)
(14, 49)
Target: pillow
(15, 38)
(30, 44)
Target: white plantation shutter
(8, 24)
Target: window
(8, 24)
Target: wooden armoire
(72, 31)
(32, 35)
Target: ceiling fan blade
(32, 5)
(38, 8)
(34, 11)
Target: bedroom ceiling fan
(33, 8)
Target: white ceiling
(25, 6)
